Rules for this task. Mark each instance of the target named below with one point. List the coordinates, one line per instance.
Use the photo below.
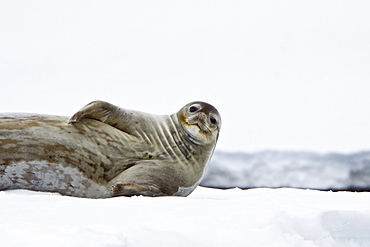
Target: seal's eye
(193, 109)
(213, 120)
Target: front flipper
(134, 189)
(129, 121)
(98, 110)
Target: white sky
(287, 75)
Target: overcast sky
(287, 75)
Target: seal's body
(106, 151)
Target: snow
(273, 169)
(208, 217)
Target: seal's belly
(46, 176)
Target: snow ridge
(276, 169)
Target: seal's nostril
(202, 116)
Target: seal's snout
(203, 121)
(202, 116)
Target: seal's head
(201, 122)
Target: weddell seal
(105, 151)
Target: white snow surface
(208, 217)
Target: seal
(105, 151)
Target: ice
(274, 169)
(208, 217)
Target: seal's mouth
(203, 126)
